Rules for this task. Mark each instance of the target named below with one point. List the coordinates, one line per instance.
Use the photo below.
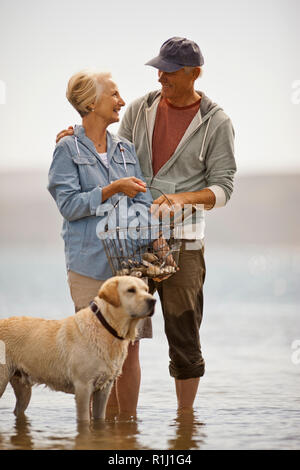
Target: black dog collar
(94, 307)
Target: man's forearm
(204, 196)
(213, 196)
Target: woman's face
(109, 103)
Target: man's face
(175, 84)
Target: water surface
(249, 397)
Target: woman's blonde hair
(85, 88)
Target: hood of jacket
(207, 106)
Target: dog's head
(129, 295)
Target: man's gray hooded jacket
(204, 157)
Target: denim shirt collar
(112, 141)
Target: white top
(103, 157)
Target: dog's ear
(109, 293)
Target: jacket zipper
(149, 148)
(133, 134)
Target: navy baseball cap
(176, 53)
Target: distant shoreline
(264, 209)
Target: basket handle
(162, 193)
(148, 187)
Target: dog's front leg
(100, 399)
(83, 393)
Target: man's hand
(64, 133)
(172, 203)
(169, 205)
(161, 249)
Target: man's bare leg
(186, 391)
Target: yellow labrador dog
(81, 354)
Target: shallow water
(249, 397)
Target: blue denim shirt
(76, 178)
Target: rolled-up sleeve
(219, 195)
(64, 186)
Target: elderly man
(184, 143)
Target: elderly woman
(88, 169)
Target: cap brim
(163, 65)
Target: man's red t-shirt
(170, 125)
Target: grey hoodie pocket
(159, 186)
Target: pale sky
(252, 68)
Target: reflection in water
(115, 433)
(20, 436)
(188, 433)
(122, 433)
(22, 439)
(236, 416)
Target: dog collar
(94, 307)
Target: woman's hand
(130, 186)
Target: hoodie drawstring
(201, 158)
(76, 143)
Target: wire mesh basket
(133, 252)
(150, 251)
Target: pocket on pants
(182, 292)
(191, 270)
